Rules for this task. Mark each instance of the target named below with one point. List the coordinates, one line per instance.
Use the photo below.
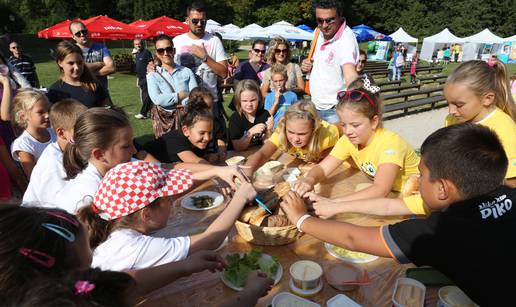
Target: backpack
(400, 61)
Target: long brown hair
(482, 77)
(273, 45)
(64, 48)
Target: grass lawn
(122, 86)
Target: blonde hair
(64, 114)
(482, 77)
(247, 85)
(271, 51)
(24, 101)
(279, 69)
(303, 109)
(363, 106)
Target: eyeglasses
(259, 51)
(329, 21)
(81, 33)
(197, 20)
(169, 50)
(356, 96)
(277, 50)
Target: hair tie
(62, 216)
(83, 287)
(373, 89)
(94, 208)
(39, 257)
(71, 141)
(491, 63)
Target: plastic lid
(289, 299)
(341, 300)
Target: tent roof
(287, 31)
(510, 39)
(445, 36)
(484, 37)
(401, 36)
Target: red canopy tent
(59, 30)
(161, 25)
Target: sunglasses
(197, 20)
(329, 21)
(362, 61)
(356, 96)
(81, 33)
(277, 50)
(161, 51)
(259, 51)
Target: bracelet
(301, 220)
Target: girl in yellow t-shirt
(479, 92)
(381, 154)
(300, 133)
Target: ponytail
(99, 229)
(502, 89)
(73, 163)
(196, 110)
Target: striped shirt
(26, 67)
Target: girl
(120, 225)
(381, 154)
(76, 81)
(300, 133)
(479, 92)
(31, 113)
(9, 173)
(250, 124)
(413, 65)
(43, 249)
(279, 52)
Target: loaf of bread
(411, 186)
(275, 221)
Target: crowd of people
(93, 197)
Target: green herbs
(241, 265)
(204, 201)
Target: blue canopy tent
(365, 33)
(306, 28)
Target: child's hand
(270, 123)
(257, 129)
(293, 206)
(228, 174)
(257, 285)
(304, 185)
(246, 192)
(323, 207)
(205, 260)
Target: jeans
(329, 115)
(396, 73)
(144, 97)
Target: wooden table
(206, 289)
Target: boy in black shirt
(470, 235)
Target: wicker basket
(267, 235)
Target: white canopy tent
(288, 31)
(212, 26)
(253, 31)
(400, 36)
(439, 40)
(231, 32)
(473, 44)
(510, 39)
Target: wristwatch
(204, 58)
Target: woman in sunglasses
(279, 52)
(77, 81)
(381, 154)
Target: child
(48, 175)
(383, 155)
(462, 170)
(45, 243)
(120, 219)
(250, 124)
(277, 101)
(9, 173)
(31, 113)
(480, 93)
(413, 65)
(300, 133)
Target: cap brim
(177, 182)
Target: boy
(48, 175)
(468, 237)
(277, 101)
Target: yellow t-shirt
(416, 205)
(329, 137)
(386, 147)
(503, 125)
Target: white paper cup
(306, 274)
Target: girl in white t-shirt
(133, 200)
(31, 113)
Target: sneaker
(139, 116)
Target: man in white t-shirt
(332, 66)
(200, 51)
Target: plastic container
(452, 296)
(305, 293)
(346, 277)
(408, 292)
(341, 300)
(306, 274)
(289, 299)
(236, 160)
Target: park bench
(429, 69)
(400, 88)
(406, 95)
(385, 83)
(433, 78)
(406, 105)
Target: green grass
(122, 86)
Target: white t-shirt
(27, 143)
(127, 249)
(47, 178)
(184, 57)
(326, 77)
(79, 191)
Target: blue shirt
(96, 53)
(285, 100)
(182, 80)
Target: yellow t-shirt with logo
(503, 125)
(329, 137)
(386, 147)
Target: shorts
(446, 58)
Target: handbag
(164, 120)
(310, 55)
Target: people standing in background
(413, 65)
(142, 57)
(362, 60)
(446, 55)
(456, 52)
(254, 67)
(23, 64)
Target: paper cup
(306, 274)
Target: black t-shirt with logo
(166, 148)
(473, 242)
(238, 124)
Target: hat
(131, 186)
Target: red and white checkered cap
(131, 186)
